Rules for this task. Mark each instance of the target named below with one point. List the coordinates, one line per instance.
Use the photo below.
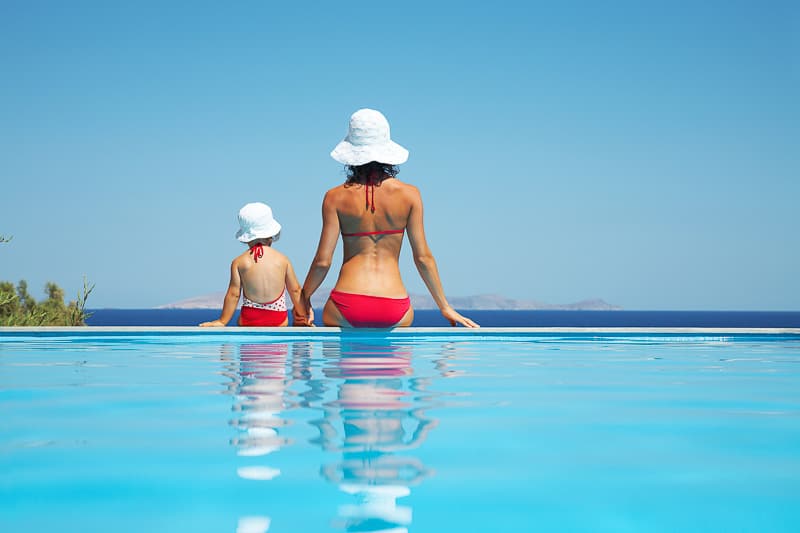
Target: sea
(491, 318)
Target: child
(261, 274)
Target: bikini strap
(369, 187)
(257, 251)
(366, 233)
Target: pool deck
(323, 332)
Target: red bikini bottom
(253, 316)
(363, 311)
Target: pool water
(390, 432)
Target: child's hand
(300, 319)
(213, 323)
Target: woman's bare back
(370, 251)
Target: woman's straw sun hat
(368, 140)
(256, 222)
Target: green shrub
(19, 308)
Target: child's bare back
(261, 275)
(263, 278)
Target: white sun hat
(256, 222)
(368, 140)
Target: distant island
(424, 301)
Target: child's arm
(294, 290)
(231, 298)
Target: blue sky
(647, 153)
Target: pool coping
(322, 332)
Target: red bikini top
(369, 196)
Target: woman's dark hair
(372, 172)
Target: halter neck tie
(369, 190)
(257, 251)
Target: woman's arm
(231, 298)
(324, 256)
(426, 264)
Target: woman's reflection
(375, 420)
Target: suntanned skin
(262, 281)
(370, 264)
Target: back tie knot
(257, 251)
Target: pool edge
(318, 332)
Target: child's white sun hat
(256, 222)
(368, 140)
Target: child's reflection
(258, 382)
(374, 422)
(259, 398)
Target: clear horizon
(645, 154)
(215, 298)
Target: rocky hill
(423, 301)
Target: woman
(372, 210)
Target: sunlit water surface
(247, 433)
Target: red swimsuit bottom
(363, 311)
(253, 316)
(270, 314)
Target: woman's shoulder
(395, 185)
(335, 192)
(342, 192)
(406, 189)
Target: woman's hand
(303, 315)
(213, 324)
(454, 318)
(302, 318)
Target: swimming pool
(420, 430)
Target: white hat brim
(270, 230)
(389, 153)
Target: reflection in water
(258, 383)
(448, 353)
(259, 399)
(373, 416)
(253, 524)
(373, 422)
